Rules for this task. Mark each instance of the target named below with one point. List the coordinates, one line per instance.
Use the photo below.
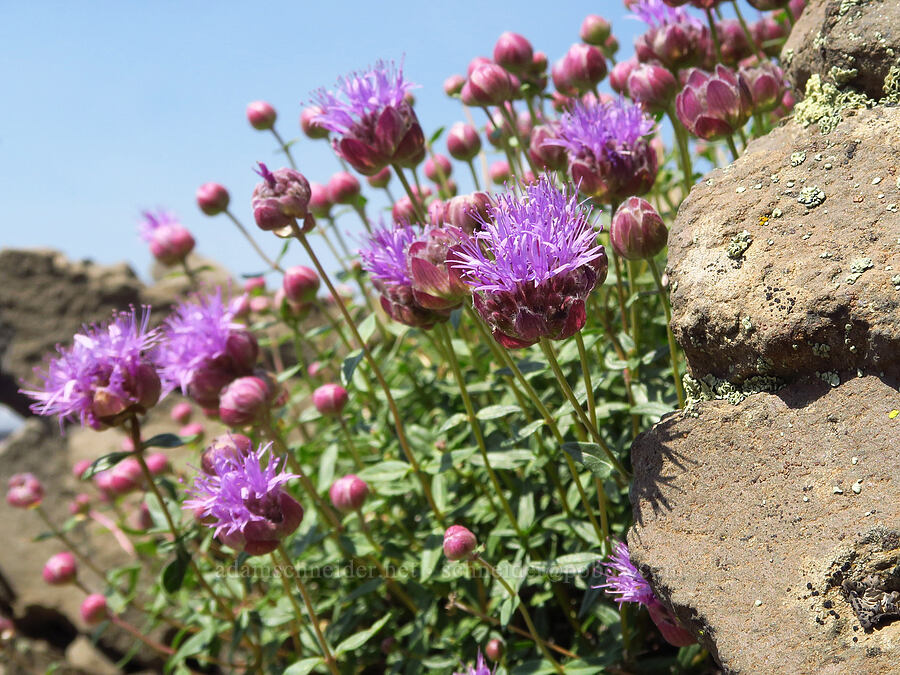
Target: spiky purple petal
(595, 130)
(624, 581)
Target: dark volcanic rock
(787, 262)
(848, 35)
(756, 523)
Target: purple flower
(105, 376)
(386, 260)
(376, 125)
(656, 13)
(245, 501)
(532, 265)
(674, 38)
(480, 668)
(170, 241)
(610, 157)
(205, 349)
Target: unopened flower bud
(254, 285)
(637, 232)
(124, 477)
(343, 188)
(547, 156)
(468, 212)
(459, 543)
(561, 80)
(489, 84)
(158, 463)
(94, 609)
(319, 200)
(652, 86)
(437, 212)
(244, 401)
(310, 127)
(233, 446)
(348, 493)
(25, 491)
(300, 284)
(60, 569)
(80, 505)
(733, 44)
(212, 198)
(476, 63)
(380, 179)
(594, 31)
(714, 105)
(585, 67)
(499, 171)
(141, 519)
(181, 412)
(170, 243)
(281, 199)
(767, 5)
(494, 648)
(454, 84)
(766, 85)
(610, 46)
(330, 399)
(514, 52)
(239, 306)
(438, 168)
(618, 76)
(191, 430)
(80, 467)
(261, 115)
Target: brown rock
(748, 524)
(767, 278)
(860, 35)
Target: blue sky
(113, 107)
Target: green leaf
(359, 639)
(163, 441)
(431, 553)
(453, 421)
(326, 466)
(195, 644)
(367, 327)
(439, 491)
(436, 135)
(591, 457)
(385, 472)
(304, 666)
(530, 429)
(173, 574)
(494, 411)
(285, 375)
(526, 511)
(575, 563)
(349, 366)
(103, 463)
(652, 408)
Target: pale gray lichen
(824, 103)
(829, 377)
(797, 158)
(820, 349)
(857, 268)
(895, 280)
(811, 196)
(842, 76)
(847, 5)
(738, 245)
(711, 388)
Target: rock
(787, 262)
(859, 39)
(84, 655)
(46, 298)
(747, 527)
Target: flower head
(656, 13)
(245, 502)
(674, 38)
(104, 376)
(480, 667)
(532, 265)
(376, 125)
(205, 349)
(624, 580)
(609, 154)
(170, 241)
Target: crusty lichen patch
(711, 388)
(738, 245)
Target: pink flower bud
(514, 52)
(380, 179)
(733, 43)
(244, 401)
(254, 284)
(171, 243)
(546, 156)
(499, 171)
(281, 199)
(242, 349)
(767, 5)
(438, 168)
(674, 634)
(637, 232)
(181, 412)
(80, 467)
(403, 210)
(494, 648)
(343, 188)
(314, 369)
(140, 519)
(454, 84)
(330, 399)
(300, 284)
(618, 76)
(158, 463)
(60, 569)
(232, 446)
(94, 609)
(192, 429)
(80, 505)
(468, 212)
(319, 200)
(459, 543)
(714, 105)
(261, 115)
(769, 35)
(584, 66)
(594, 31)
(348, 493)
(796, 8)
(653, 86)
(125, 476)
(239, 306)
(476, 63)
(610, 46)
(25, 491)
(766, 85)
(489, 84)
(437, 212)
(212, 198)
(310, 127)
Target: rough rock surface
(848, 35)
(787, 262)
(749, 519)
(45, 299)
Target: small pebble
(837, 490)
(857, 487)
(806, 499)
(876, 180)
(758, 603)
(854, 460)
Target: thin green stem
(673, 349)
(524, 612)
(74, 550)
(715, 34)
(731, 146)
(285, 148)
(271, 263)
(684, 151)
(750, 41)
(474, 174)
(417, 207)
(360, 211)
(350, 444)
(191, 275)
(298, 613)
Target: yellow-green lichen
(824, 103)
(711, 388)
(738, 245)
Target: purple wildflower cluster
(105, 375)
(170, 242)
(656, 14)
(480, 667)
(245, 500)
(532, 265)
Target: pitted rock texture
(847, 35)
(787, 262)
(747, 522)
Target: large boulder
(772, 528)
(787, 262)
(850, 43)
